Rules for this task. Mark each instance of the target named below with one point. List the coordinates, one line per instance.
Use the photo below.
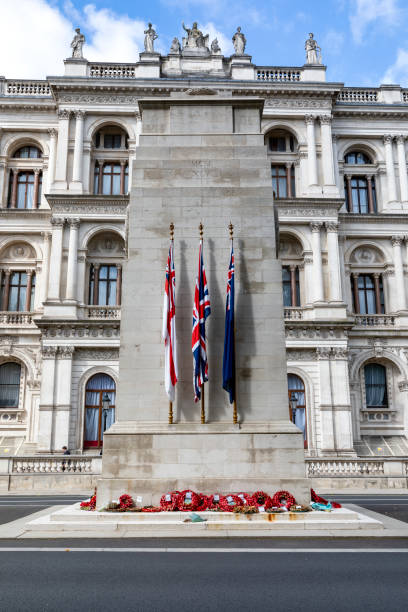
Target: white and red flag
(169, 328)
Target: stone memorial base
(74, 522)
(153, 459)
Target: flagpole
(235, 413)
(201, 228)
(171, 227)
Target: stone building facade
(339, 175)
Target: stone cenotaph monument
(202, 158)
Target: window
(357, 157)
(17, 291)
(100, 394)
(368, 294)
(103, 285)
(375, 377)
(291, 287)
(282, 143)
(360, 195)
(297, 403)
(111, 178)
(112, 141)
(9, 384)
(24, 189)
(28, 152)
(283, 181)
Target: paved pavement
(392, 505)
(13, 507)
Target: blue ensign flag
(228, 364)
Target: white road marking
(209, 550)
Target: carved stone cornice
(301, 354)
(102, 354)
(79, 330)
(84, 205)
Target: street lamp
(105, 408)
(293, 405)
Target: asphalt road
(197, 581)
(13, 507)
(395, 506)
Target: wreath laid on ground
(204, 502)
(188, 500)
(246, 510)
(229, 502)
(283, 499)
(261, 499)
(214, 502)
(320, 500)
(151, 509)
(126, 502)
(89, 504)
(246, 498)
(169, 501)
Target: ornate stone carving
(332, 226)
(74, 222)
(215, 47)
(175, 48)
(150, 37)
(400, 139)
(65, 352)
(301, 355)
(195, 41)
(316, 226)
(325, 119)
(77, 44)
(52, 132)
(323, 352)
(49, 352)
(239, 42)
(366, 255)
(387, 139)
(97, 354)
(309, 119)
(303, 102)
(201, 91)
(57, 221)
(18, 251)
(340, 353)
(313, 51)
(79, 114)
(397, 240)
(63, 113)
(98, 98)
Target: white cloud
(368, 12)
(225, 42)
(36, 46)
(398, 71)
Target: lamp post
(293, 406)
(105, 408)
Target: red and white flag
(169, 328)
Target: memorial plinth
(202, 158)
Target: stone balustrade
(279, 75)
(102, 312)
(293, 313)
(375, 320)
(112, 71)
(27, 88)
(52, 464)
(16, 318)
(352, 94)
(318, 468)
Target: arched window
(10, 374)
(111, 156)
(297, 403)
(375, 378)
(282, 152)
(30, 152)
(100, 396)
(357, 157)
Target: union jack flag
(228, 364)
(169, 328)
(201, 310)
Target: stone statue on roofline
(215, 47)
(150, 37)
(195, 39)
(77, 44)
(239, 42)
(175, 46)
(313, 51)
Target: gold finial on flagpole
(231, 231)
(171, 227)
(201, 228)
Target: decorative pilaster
(334, 262)
(401, 299)
(62, 151)
(311, 150)
(36, 187)
(45, 265)
(402, 168)
(72, 259)
(6, 293)
(356, 298)
(119, 285)
(46, 409)
(14, 189)
(51, 159)
(29, 273)
(327, 154)
(317, 262)
(56, 258)
(389, 161)
(96, 284)
(63, 396)
(371, 208)
(76, 184)
(349, 193)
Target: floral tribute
(261, 499)
(229, 502)
(89, 504)
(188, 500)
(320, 500)
(204, 502)
(170, 501)
(126, 502)
(283, 499)
(246, 498)
(151, 509)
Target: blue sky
(364, 42)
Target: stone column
(87, 187)
(317, 262)
(96, 284)
(76, 184)
(327, 153)
(401, 298)
(402, 168)
(63, 396)
(45, 265)
(4, 305)
(369, 179)
(72, 272)
(293, 285)
(389, 161)
(60, 182)
(119, 285)
(336, 160)
(81, 277)
(349, 193)
(14, 189)
(3, 195)
(342, 423)
(303, 174)
(326, 399)
(377, 293)
(334, 262)
(355, 292)
(308, 275)
(46, 409)
(311, 150)
(28, 290)
(51, 159)
(56, 259)
(122, 176)
(36, 187)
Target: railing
(102, 312)
(16, 318)
(112, 71)
(405, 96)
(64, 464)
(293, 313)
(27, 88)
(316, 468)
(279, 75)
(364, 96)
(375, 320)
